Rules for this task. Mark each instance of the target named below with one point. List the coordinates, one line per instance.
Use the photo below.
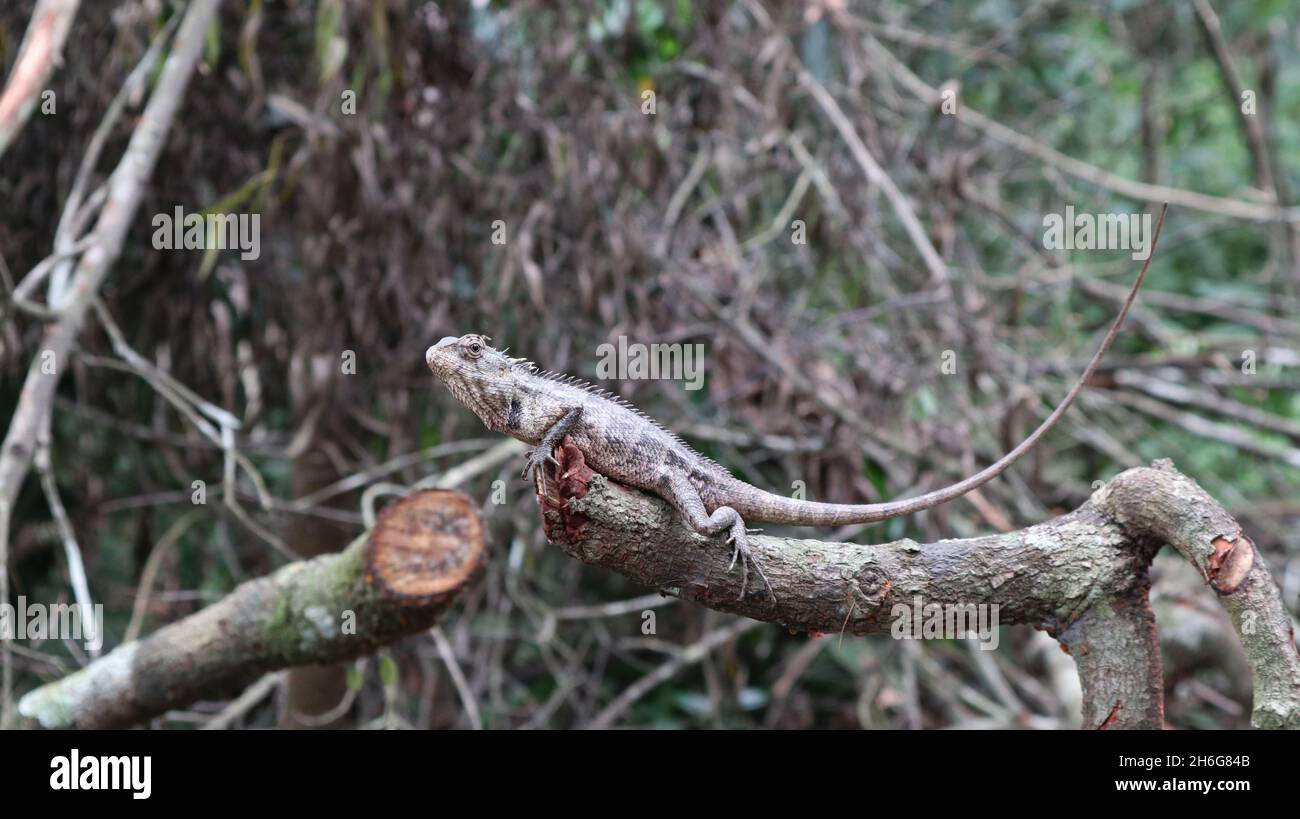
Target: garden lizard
(510, 395)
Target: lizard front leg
(682, 494)
(542, 453)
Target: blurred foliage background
(823, 357)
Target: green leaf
(387, 670)
(355, 679)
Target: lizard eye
(474, 349)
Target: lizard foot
(739, 538)
(536, 459)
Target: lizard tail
(774, 508)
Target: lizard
(513, 396)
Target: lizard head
(481, 377)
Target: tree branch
(389, 583)
(1115, 648)
(1082, 577)
(1162, 505)
(40, 53)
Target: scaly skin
(511, 396)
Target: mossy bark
(327, 609)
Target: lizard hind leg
(683, 495)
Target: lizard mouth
(435, 356)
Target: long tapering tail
(780, 509)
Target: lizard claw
(745, 555)
(536, 460)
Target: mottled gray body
(619, 441)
